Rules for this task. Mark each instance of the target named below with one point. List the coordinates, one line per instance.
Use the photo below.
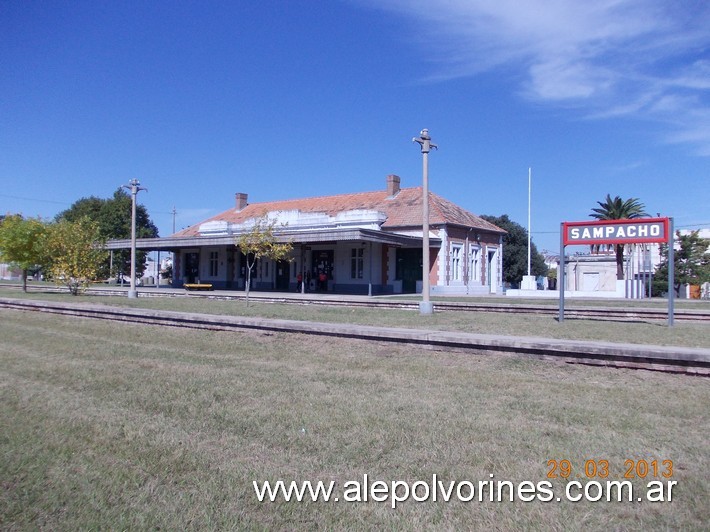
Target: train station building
(363, 243)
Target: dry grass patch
(120, 426)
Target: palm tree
(618, 209)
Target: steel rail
(693, 361)
(578, 312)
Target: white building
(366, 242)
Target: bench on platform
(197, 286)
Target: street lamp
(133, 186)
(424, 140)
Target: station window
(214, 263)
(475, 269)
(357, 256)
(456, 263)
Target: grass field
(687, 334)
(120, 426)
(654, 302)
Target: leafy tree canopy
(21, 243)
(113, 217)
(691, 260)
(77, 252)
(515, 251)
(619, 209)
(260, 242)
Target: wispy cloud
(627, 167)
(641, 58)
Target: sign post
(561, 276)
(671, 273)
(610, 232)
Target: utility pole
(172, 254)
(424, 140)
(134, 187)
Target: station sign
(636, 231)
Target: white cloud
(640, 58)
(558, 80)
(627, 167)
(696, 76)
(694, 129)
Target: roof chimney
(392, 185)
(241, 198)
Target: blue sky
(281, 99)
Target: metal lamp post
(424, 140)
(134, 187)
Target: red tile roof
(404, 210)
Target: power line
(34, 199)
(702, 224)
(62, 202)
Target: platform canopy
(296, 237)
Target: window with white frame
(357, 259)
(456, 271)
(214, 263)
(475, 269)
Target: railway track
(571, 312)
(694, 361)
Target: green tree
(691, 259)
(515, 251)
(113, 216)
(77, 252)
(259, 243)
(21, 243)
(619, 209)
